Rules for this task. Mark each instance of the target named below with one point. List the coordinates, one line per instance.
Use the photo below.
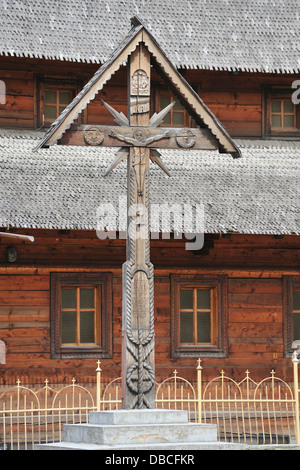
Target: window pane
(68, 327)
(186, 327)
(288, 107)
(61, 108)
(167, 119)
(203, 327)
(296, 326)
(288, 121)
(64, 97)
(186, 299)
(87, 298)
(178, 118)
(68, 298)
(164, 101)
(178, 105)
(296, 300)
(276, 121)
(203, 298)
(276, 106)
(87, 327)
(50, 97)
(50, 112)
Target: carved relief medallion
(186, 138)
(140, 84)
(93, 135)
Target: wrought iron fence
(247, 411)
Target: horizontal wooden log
(17, 86)
(21, 282)
(18, 107)
(237, 113)
(160, 137)
(253, 344)
(243, 129)
(253, 330)
(231, 98)
(11, 122)
(255, 300)
(257, 315)
(24, 298)
(257, 286)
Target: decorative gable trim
(137, 35)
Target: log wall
(255, 266)
(236, 100)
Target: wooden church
(223, 139)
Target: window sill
(197, 351)
(76, 352)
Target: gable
(193, 102)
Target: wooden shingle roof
(63, 186)
(248, 35)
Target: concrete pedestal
(139, 430)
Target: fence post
(199, 390)
(296, 389)
(98, 389)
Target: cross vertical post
(138, 307)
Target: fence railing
(248, 411)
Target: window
(53, 96)
(55, 101)
(282, 116)
(291, 306)
(296, 314)
(177, 117)
(80, 315)
(198, 316)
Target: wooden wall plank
(23, 282)
(18, 107)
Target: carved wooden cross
(138, 137)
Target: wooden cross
(138, 137)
